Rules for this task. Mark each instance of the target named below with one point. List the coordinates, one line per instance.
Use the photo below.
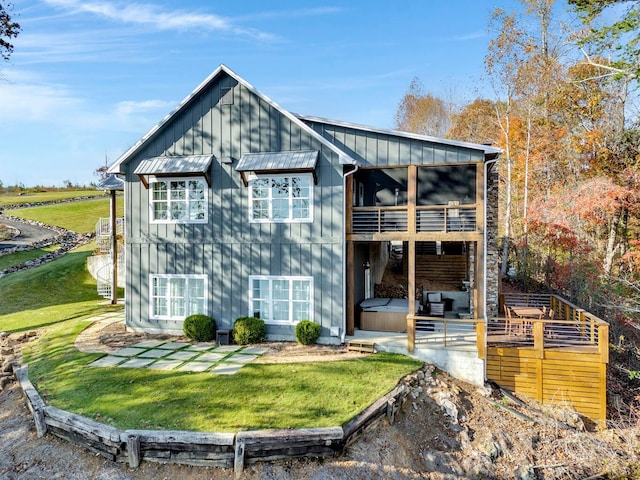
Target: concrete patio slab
(184, 355)
(108, 361)
(136, 363)
(196, 366)
(128, 352)
(241, 358)
(228, 348)
(165, 364)
(227, 368)
(201, 347)
(211, 357)
(173, 345)
(148, 344)
(255, 350)
(154, 353)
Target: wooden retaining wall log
(267, 445)
(356, 426)
(34, 401)
(133, 450)
(188, 448)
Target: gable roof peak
(222, 68)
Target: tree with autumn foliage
(423, 113)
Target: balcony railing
(379, 219)
(446, 219)
(456, 218)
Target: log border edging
(211, 449)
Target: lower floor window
(280, 300)
(175, 297)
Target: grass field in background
(47, 196)
(8, 261)
(76, 216)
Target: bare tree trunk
(611, 244)
(507, 207)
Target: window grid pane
(179, 200)
(281, 300)
(178, 297)
(280, 199)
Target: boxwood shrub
(248, 330)
(307, 332)
(198, 327)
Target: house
(236, 207)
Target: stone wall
(493, 252)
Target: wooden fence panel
(575, 379)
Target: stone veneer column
(493, 255)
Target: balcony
(441, 219)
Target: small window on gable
(226, 96)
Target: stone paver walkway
(197, 357)
(163, 354)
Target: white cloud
(158, 18)
(131, 107)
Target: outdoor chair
(435, 304)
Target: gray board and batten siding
(374, 147)
(228, 248)
(227, 118)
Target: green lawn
(47, 196)
(60, 295)
(259, 396)
(76, 216)
(8, 261)
(54, 292)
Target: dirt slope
(446, 430)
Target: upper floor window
(178, 200)
(281, 198)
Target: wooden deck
(560, 360)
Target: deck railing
(379, 219)
(441, 218)
(569, 325)
(457, 218)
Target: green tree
(8, 29)
(612, 29)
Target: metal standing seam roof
(112, 182)
(190, 165)
(306, 160)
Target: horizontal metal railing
(566, 325)
(379, 219)
(458, 218)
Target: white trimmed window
(281, 198)
(175, 297)
(178, 200)
(280, 300)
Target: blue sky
(89, 78)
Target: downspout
(484, 246)
(343, 333)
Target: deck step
(361, 346)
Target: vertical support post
(480, 343)
(238, 461)
(411, 321)
(538, 345)
(412, 192)
(114, 248)
(350, 286)
(133, 450)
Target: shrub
(249, 330)
(307, 332)
(201, 328)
